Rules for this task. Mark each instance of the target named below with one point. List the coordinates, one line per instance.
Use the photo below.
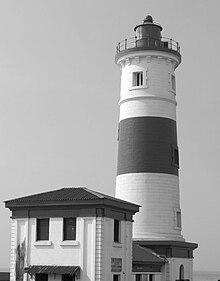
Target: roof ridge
(71, 187)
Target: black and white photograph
(109, 140)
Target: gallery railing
(151, 43)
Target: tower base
(177, 255)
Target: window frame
(140, 276)
(39, 276)
(137, 79)
(178, 218)
(175, 156)
(118, 277)
(117, 231)
(39, 235)
(66, 236)
(67, 276)
(181, 272)
(173, 83)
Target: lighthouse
(148, 153)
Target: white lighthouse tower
(148, 157)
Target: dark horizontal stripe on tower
(146, 144)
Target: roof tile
(65, 195)
(146, 255)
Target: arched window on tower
(181, 272)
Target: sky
(59, 93)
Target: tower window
(178, 219)
(175, 156)
(137, 79)
(173, 82)
(117, 231)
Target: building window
(181, 272)
(42, 229)
(175, 156)
(41, 277)
(69, 229)
(137, 79)
(68, 277)
(144, 277)
(117, 231)
(178, 219)
(173, 82)
(116, 277)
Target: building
(71, 234)
(148, 157)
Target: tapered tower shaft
(148, 159)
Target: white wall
(158, 195)
(70, 253)
(92, 250)
(156, 96)
(175, 264)
(117, 250)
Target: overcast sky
(59, 92)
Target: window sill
(43, 243)
(137, 88)
(117, 244)
(69, 243)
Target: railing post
(119, 47)
(171, 44)
(126, 44)
(135, 41)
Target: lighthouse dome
(148, 18)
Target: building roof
(69, 196)
(166, 243)
(145, 255)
